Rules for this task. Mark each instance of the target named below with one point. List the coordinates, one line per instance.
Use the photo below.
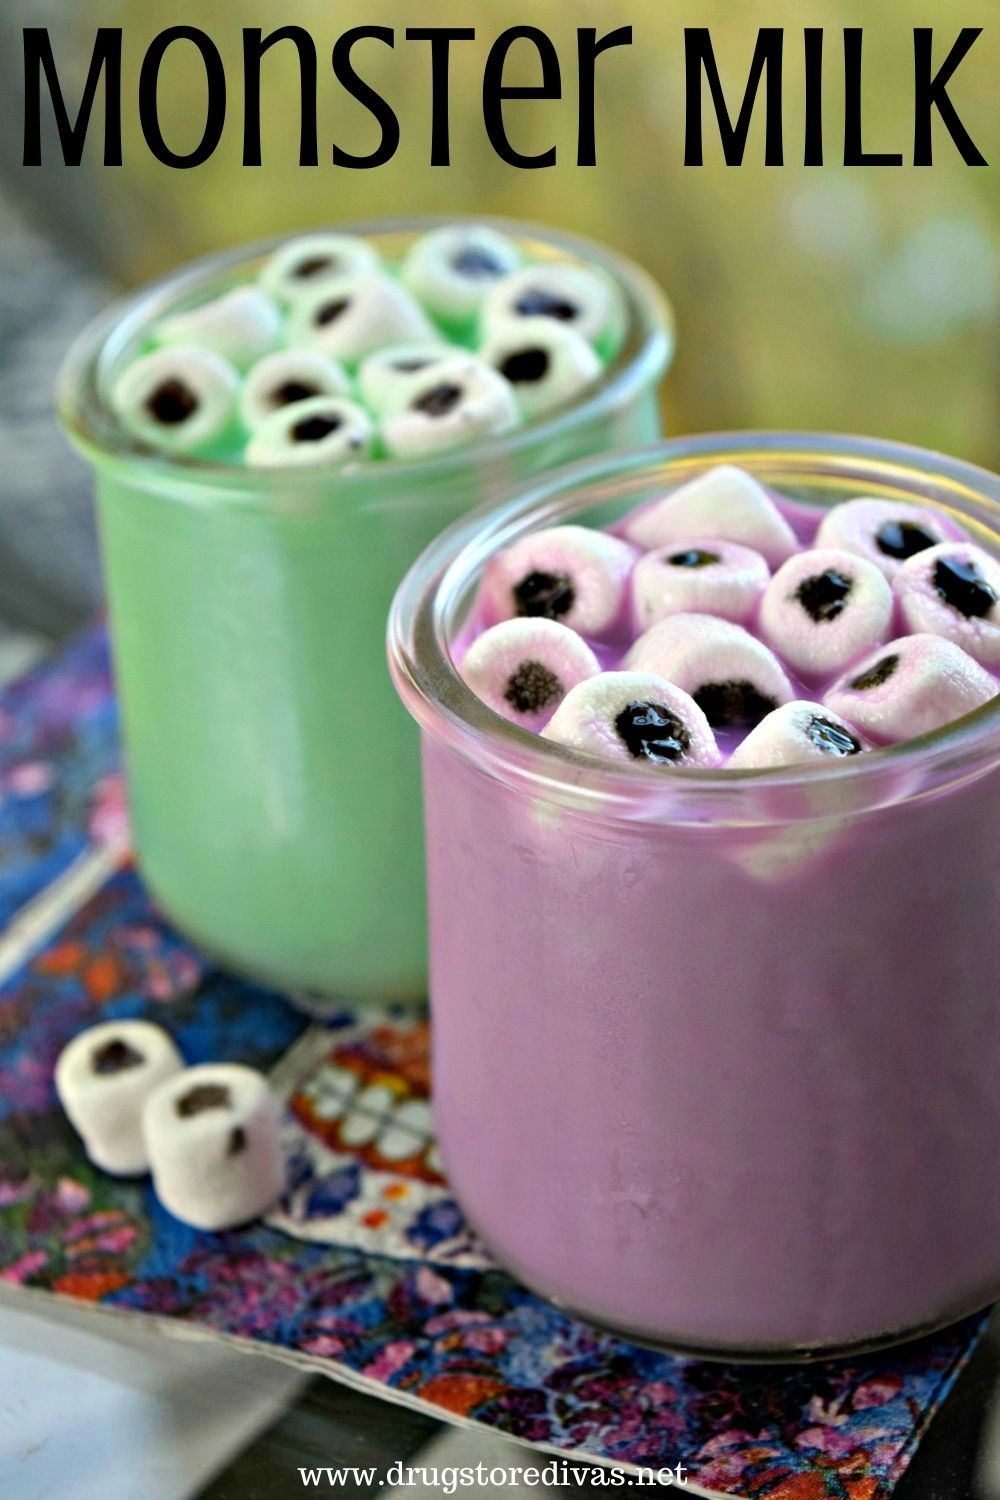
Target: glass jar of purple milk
(715, 982)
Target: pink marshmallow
(824, 609)
(885, 532)
(954, 591)
(700, 576)
(723, 504)
(572, 574)
(731, 675)
(523, 668)
(795, 734)
(909, 687)
(634, 716)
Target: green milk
(273, 774)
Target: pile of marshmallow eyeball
(705, 631)
(332, 357)
(210, 1135)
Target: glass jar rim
(95, 430)
(430, 685)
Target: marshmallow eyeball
(213, 1140)
(702, 576)
(524, 668)
(795, 734)
(885, 532)
(351, 316)
(304, 264)
(287, 377)
(909, 687)
(723, 504)
(325, 430)
(103, 1078)
(733, 677)
(455, 402)
(241, 325)
(584, 300)
(181, 400)
(953, 591)
(824, 609)
(572, 574)
(634, 717)
(385, 377)
(546, 363)
(451, 270)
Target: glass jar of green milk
(274, 778)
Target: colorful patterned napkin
(59, 786)
(367, 1271)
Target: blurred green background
(865, 298)
(862, 299)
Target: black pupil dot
(439, 400)
(330, 311)
(525, 366)
(172, 402)
(902, 539)
(876, 675)
(477, 264)
(532, 687)
(693, 558)
(292, 391)
(202, 1097)
(114, 1057)
(831, 738)
(737, 702)
(312, 266)
(824, 596)
(652, 732)
(545, 595)
(410, 366)
(314, 429)
(539, 303)
(237, 1141)
(961, 585)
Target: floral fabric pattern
(59, 763)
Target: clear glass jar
(273, 775)
(715, 1052)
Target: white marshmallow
(824, 609)
(286, 377)
(181, 400)
(732, 676)
(576, 297)
(450, 404)
(723, 504)
(103, 1078)
(213, 1140)
(524, 668)
(795, 734)
(574, 574)
(451, 270)
(702, 576)
(954, 591)
(546, 363)
(241, 325)
(324, 430)
(886, 532)
(634, 716)
(350, 316)
(305, 263)
(386, 377)
(909, 687)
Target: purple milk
(715, 1056)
